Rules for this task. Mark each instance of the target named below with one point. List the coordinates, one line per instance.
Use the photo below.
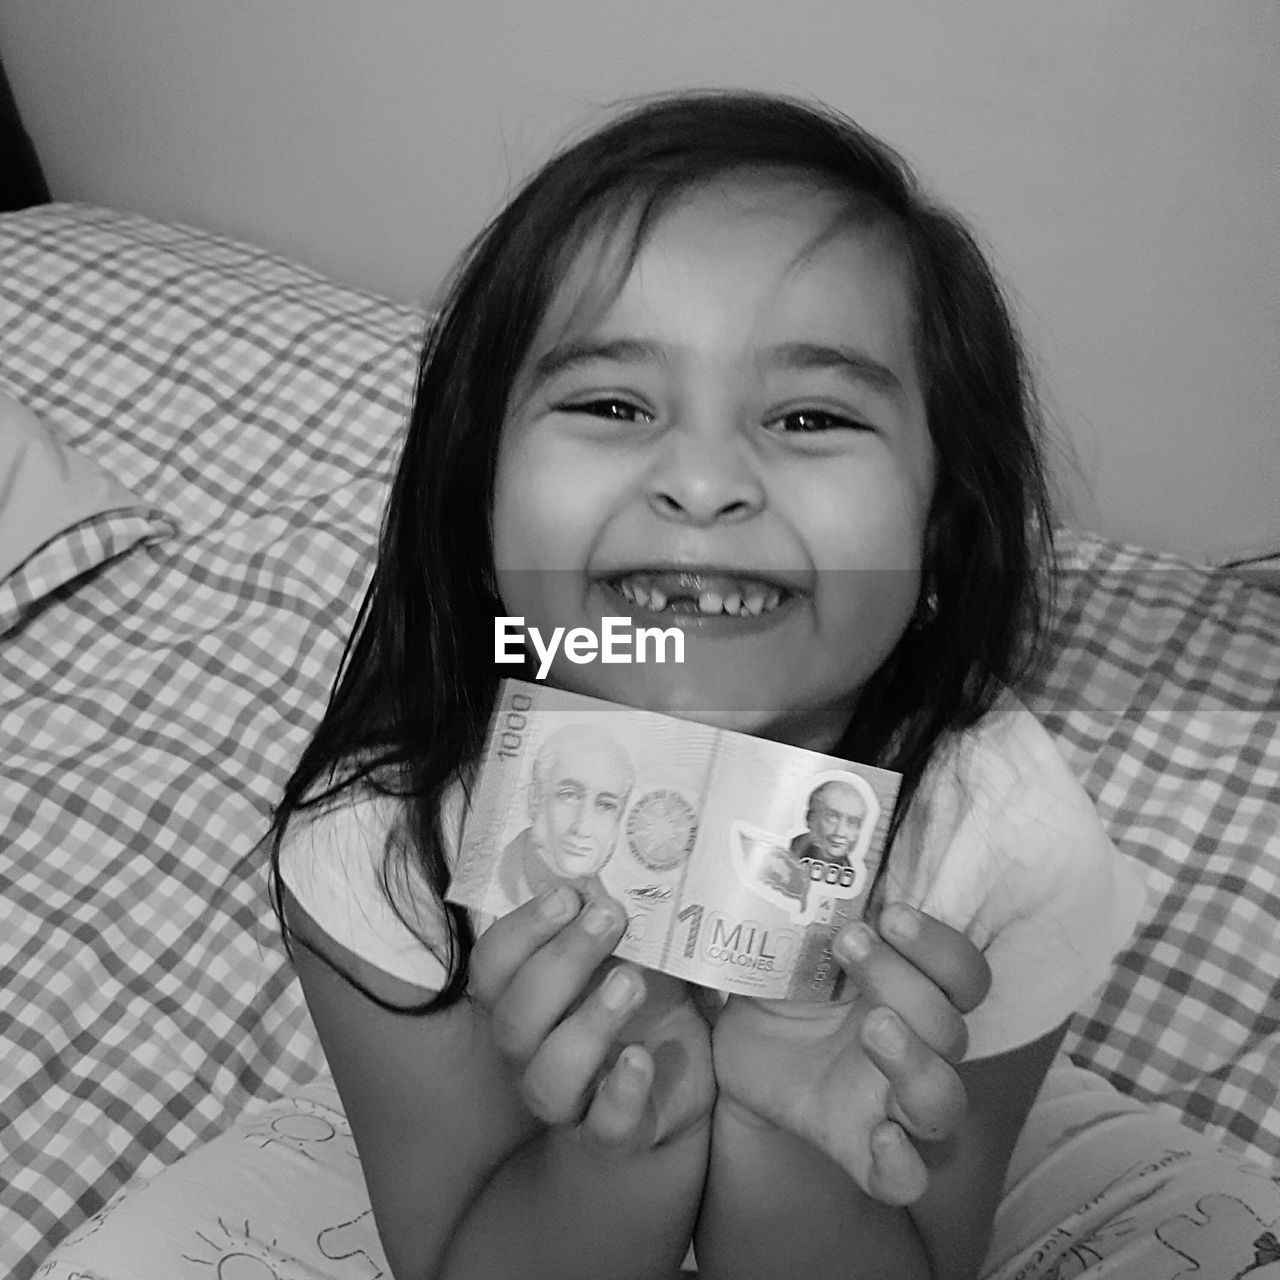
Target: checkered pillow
(56, 568)
(61, 516)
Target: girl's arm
(464, 1177)
(776, 1205)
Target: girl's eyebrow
(851, 362)
(583, 351)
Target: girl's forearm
(776, 1206)
(561, 1208)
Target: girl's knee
(1101, 1185)
(281, 1194)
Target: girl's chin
(744, 706)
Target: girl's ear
(927, 604)
(926, 607)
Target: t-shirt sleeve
(332, 862)
(1027, 870)
(1054, 930)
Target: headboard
(21, 178)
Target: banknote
(737, 859)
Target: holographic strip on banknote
(737, 859)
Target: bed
(227, 420)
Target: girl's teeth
(736, 604)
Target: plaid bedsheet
(150, 711)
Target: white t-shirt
(1001, 842)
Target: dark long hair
(417, 684)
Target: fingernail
(597, 919)
(901, 922)
(634, 1063)
(854, 941)
(887, 1032)
(619, 989)
(558, 904)
(889, 1141)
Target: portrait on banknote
(839, 810)
(580, 780)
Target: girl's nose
(704, 476)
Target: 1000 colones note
(737, 859)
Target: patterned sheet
(150, 711)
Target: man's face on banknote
(580, 790)
(836, 814)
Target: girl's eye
(807, 421)
(613, 410)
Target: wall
(1122, 158)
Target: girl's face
(734, 446)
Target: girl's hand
(861, 1079)
(622, 1054)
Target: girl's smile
(734, 444)
(701, 592)
(702, 600)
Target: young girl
(720, 366)
(721, 350)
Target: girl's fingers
(926, 1095)
(561, 1076)
(510, 941)
(898, 1175)
(620, 1115)
(547, 984)
(885, 976)
(942, 953)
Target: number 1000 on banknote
(737, 859)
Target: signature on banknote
(650, 893)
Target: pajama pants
(1099, 1185)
